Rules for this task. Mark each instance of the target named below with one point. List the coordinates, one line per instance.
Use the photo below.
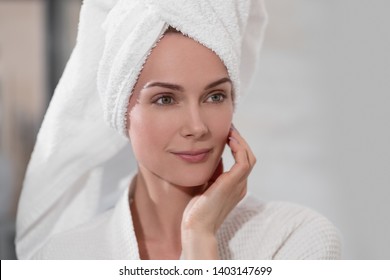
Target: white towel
(78, 160)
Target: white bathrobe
(254, 230)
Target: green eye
(216, 98)
(164, 100)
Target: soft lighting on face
(181, 112)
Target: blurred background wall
(317, 115)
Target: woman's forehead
(177, 56)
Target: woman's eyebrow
(216, 83)
(180, 88)
(164, 85)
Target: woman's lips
(193, 156)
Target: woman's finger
(242, 166)
(251, 157)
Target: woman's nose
(194, 124)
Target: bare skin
(183, 103)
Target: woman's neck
(157, 209)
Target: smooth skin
(183, 101)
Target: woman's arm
(205, 213)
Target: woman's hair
(171, 29)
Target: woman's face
(180, 112)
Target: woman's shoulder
(277, 230)
(108, 235)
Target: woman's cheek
(154, 130)
(140, 129)
(222, 123)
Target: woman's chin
(190, 180)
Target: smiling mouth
(193, 156)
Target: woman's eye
(216, 98)
(164, 100)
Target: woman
(172, 95)
(179, 122)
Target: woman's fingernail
(235, 130)
(234, 139)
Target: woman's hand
(205, 213)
